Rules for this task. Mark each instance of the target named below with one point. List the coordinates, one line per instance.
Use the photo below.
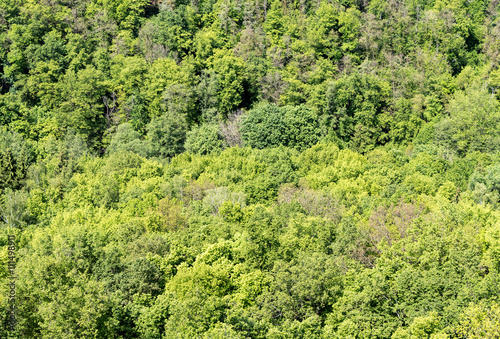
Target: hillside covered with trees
(250, 169)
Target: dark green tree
(167, 135)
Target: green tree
(204, 139)
(479, 321)
(269, 126)
(167, 135)
(232, 82)
(355, 108)
(472, 124)
(16, 155)
(127, 139)
(82, 106)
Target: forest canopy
(250, 169)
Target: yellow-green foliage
(257, 243)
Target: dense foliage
(237, 169)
